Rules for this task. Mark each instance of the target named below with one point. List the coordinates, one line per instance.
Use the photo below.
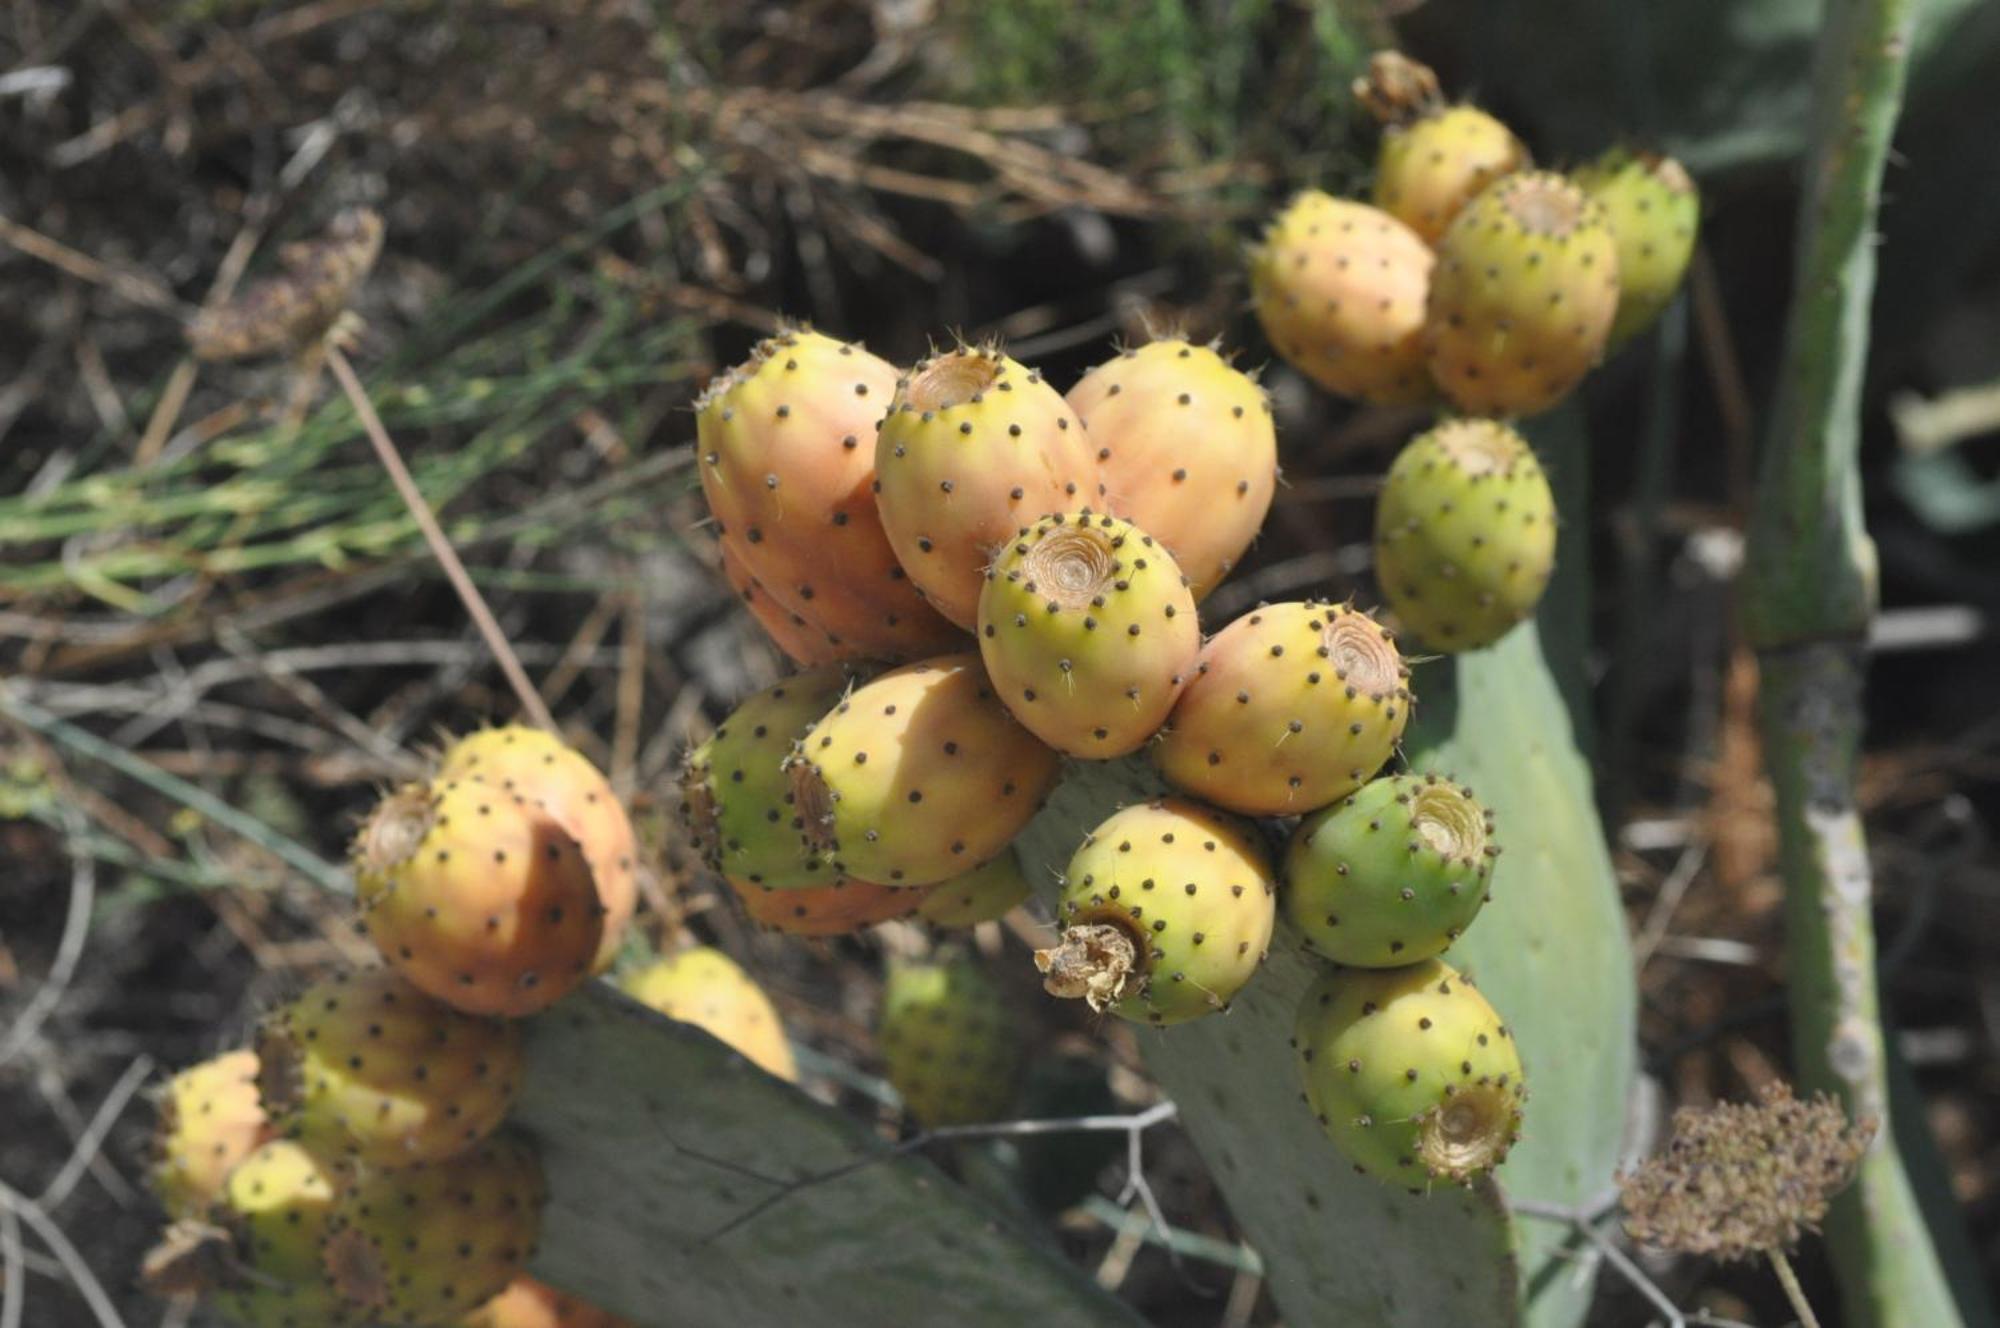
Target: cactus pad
(706, 988)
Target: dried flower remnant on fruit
(290, 311)
(1739, 1178)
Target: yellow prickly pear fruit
(706, 988)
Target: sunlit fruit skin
(527, 1303)
(1465, 535)
(209, 1120)
(1428, 170)
(736, 799)
(1411, 1073)
(560, 780)
(1523, 296)
(1293, 706)
(974, 447)
(275, 1207)
(1341, 290)
(987, 893)
(365, 1067)
(950, 1043)
(478, 896)
(428, 1244)
(1655, 213)
(706, 988)
(1187, 450)
(840, 908)
(1088, 630)
(788, 468)
(1166, 910)
(801, 641)
(919, 775)
(1391, 874)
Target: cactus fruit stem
(1470, 1133)
(1072, 564)
(813, 801)
(394, 829)
(1094, 961)
(1449, 822)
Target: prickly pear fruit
(835, 909)
(704, 987)
(209, 1120)
(1432, 167)
(1089, 632)
(426, 1244)
(1186, 448)
(365, 1065)
(477, 896)
(788, 464)
(918, 775)
(1523, 296)
(801, 641)
(560, 780)
(1465, 534)
(1390, 874)
(527, 1303)
(1410, 1072)
(975, 446)
(1340, 288)
(736, 799)
(1654, 211)
(1294, 705)
(1166, 911)
(257, 1254)
(949, 1043)
(984, 894)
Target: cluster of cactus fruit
(983, 580)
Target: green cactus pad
(974, 448)
(949, 1042)
(1167, 910)
(736, 801)
(1294, 705)
(1465, 534)
(365, 1065)
(1655, 210)
(918, 775)
(1088, 630)
(1523, 296)
(1429, 169)
(1411, 1073)
(1188, 450)
(1392, 874)
(984, 894)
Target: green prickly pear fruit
(950, 1045)
(210, 1119)
(706, 988)
(1390, 874)
(918, 775)
(985, 894)
(838, 908)
(1411, 1073)
(975, 446)
(1166, 911)
(365, 1065)
(426, 1244)
(1293, 706)
(1187, 450)
(256, 1257)
(1434, 158)
(1654, 211)
(1523, 296)
(736, 799)
(801, 641)
(477, 896)
(560, 780)
(1465, 534)
(527, 1303)
(788, 465)
(1089, 632)
(1341, 290)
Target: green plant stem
(1793, 1291)
(1808, 596)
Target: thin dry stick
(454, 570)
